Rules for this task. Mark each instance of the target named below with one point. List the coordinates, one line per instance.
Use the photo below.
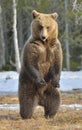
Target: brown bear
(41, 67)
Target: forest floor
(65, 119)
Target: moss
(8, 67)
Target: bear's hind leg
(26, 101)
(52, 102)
(26, 109)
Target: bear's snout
(43, 38)
(44, 34)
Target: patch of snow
(16, 107)
(69, 81)
(9, 106)
(72, 106)
(8, 82)
(8, 75)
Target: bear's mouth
(44, 41)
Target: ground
(66, 119)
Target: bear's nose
(43, 37)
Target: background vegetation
(70, 29)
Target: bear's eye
(40, 27)
(48, 28)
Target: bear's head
(44, 26)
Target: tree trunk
(20, 30)
(17, 58)
(2, 44)
(66, 40)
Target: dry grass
(64, 120)
(67, 98)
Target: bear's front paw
(55, 84)
(41, 83)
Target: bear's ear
(54, 15)
(35, 14)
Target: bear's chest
(46, 55)
(46, 58)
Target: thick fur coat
(41, 67)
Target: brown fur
(41, 67)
